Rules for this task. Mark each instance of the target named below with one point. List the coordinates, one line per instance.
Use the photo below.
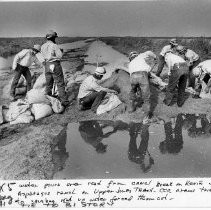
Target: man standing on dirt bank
(139, 72)
(53, 70)
(178, 73)
(168, 48)
(91, 93)
(192, 59)
(21, 64)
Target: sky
(106, 18)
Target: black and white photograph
(105, 89)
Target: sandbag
(36, 96)
(157, 81)
(56, 104)
(110, 102)
(16, 108)
(7, 88)
(40, 82)
(25, 117)
(202, 93)
(41, 110)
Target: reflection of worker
(92, 133)
(21, 63)
(60, 154)
(174, 140)
(191, 125)
(135, 154)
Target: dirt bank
(26, 150)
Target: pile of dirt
(104, 55)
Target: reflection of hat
(100, 71)
(51, 34)
(36, 48)
(173, 42)
(101, 148)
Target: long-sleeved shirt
(139, 63)
(205, 68)
(167, 48)
(24, 58)
(51, 52)
(191, 56)
(172, 59)
(89, 85)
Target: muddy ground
(26, 150)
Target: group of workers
(185, 69)
(52, 55)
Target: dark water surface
(180, 147)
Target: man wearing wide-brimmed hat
(168, 48)
(21, 63)
(53, 69)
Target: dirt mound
(104, 55)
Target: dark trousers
(57, 76)
(20, 70)
(178, 78)
(191, 77)
(140, 81)
(92, 101)
(160, 65)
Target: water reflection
(60, 153)
(137, 153)
(173, 142)
(195, 130)
(92, 133)
(121, 144)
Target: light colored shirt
(51, 52)
(205, 68)
(25, 58)
(139, 63)
(89, 85)
(172, 59)
(191, 56)
(167, 48)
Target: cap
(100, 71)
(173, 42)
(36, 48)
(51, 34)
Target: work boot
(180, 102)
(132, 107)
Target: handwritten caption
(103, 193)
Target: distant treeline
(10, 46)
